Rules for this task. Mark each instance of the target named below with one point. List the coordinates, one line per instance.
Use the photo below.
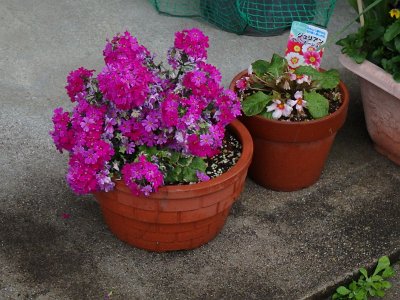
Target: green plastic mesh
(258, 17)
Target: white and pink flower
(308, 48)
(294, 60)
(279, 109)
(300, 78)
(299, 102)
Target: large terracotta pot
(380, 96)
(180, 216)
(289, 156)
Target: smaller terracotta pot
(177, 217)
(289, 156)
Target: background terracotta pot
(289, 156)
(380, 96)
(180, 216)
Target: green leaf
(185, 161)
(375, 33)
(392, 31)
(353, 286)
(174, 175)
(254, 104)
(386, 285)
(335, 296)
(358, 56)
(383, 263)
(397, 43)
(260, 67)
(376, 278)
(343, 290)
(317, 105)
(278, 66)
(380, 293)
(189, 175)
(325, 80)
(174, 157)
(364, 272)
(198, 164)
(389, 272)
(360, 294)
(377, 285)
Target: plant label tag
(305, 45)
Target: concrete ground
(296, 245)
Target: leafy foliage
(373, 285)
(300, 94)
(378, 40)
(318, 105)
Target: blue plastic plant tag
(305, 45)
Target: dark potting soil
(227, 158)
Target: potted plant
(293, 117)
(373, 54)
(151, 144)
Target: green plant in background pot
(373, 53)
(378, 39)
(293, 117)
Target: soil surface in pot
(218, 164)
(227, 158)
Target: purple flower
(150, 123)
(206, 140)
(91, 157)
(130, 148)
(202, 176)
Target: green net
(259, 17)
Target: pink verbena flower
(124, 49)
(193, 43)
(170, 110)
(142, 177)
(126, 85)
(228, 107)
(151, 122)
(197, 149)
(76, 83)
(241, 84)
(62, 136)
(81, 177)
(104, 181)
(134, 104)
(211, 70)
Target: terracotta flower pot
(177, 217)
(289, 156)
(380, 96)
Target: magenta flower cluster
(135, 107)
